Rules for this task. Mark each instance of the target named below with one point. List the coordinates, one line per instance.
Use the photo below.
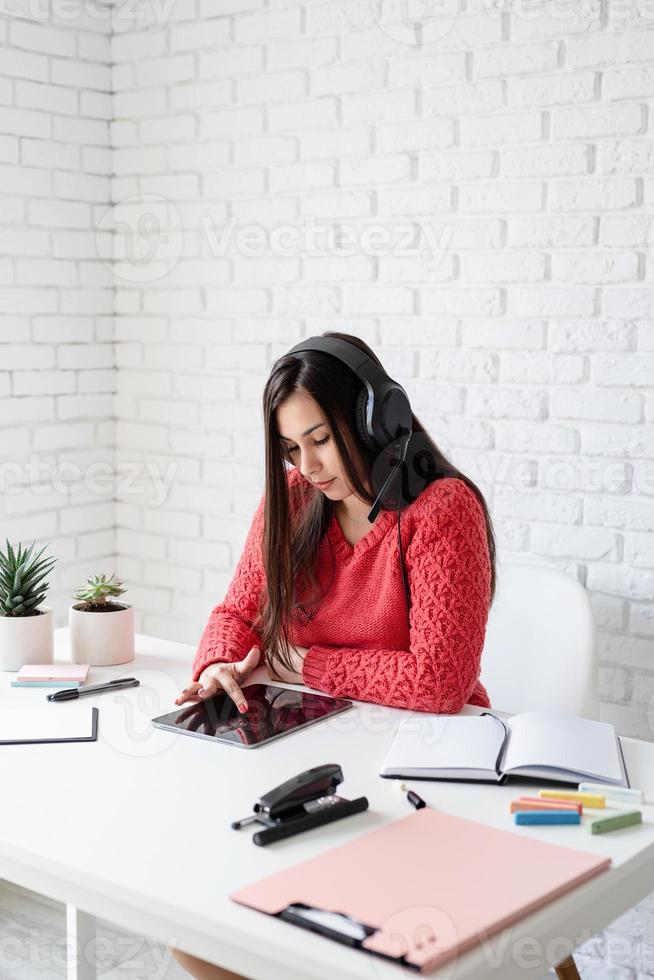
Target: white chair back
(540, 650)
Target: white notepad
(53, 723)
(535, 744)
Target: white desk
(135, 828)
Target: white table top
(135, 828)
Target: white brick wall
(494, 184)
(57, 373)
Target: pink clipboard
(422, 889)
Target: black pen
(71, 693)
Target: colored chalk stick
(535, 803)
(621, 794)
(625, 818)
(546, 816)
(595, 800)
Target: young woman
(318, 590)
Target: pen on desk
(413, 798)
(71, 693)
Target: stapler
(305, 801)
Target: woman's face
(313, 452)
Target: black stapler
(305, 801)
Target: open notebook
(485, 748)
(20, 726)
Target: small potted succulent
(26, 627)
(101, 630)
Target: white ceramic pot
(101, 639)
(26, 639)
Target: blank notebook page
(539, 738)
(446, 741)
(41, 724)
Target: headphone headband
(382, 410)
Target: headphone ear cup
(360, 419)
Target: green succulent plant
(99, 591)
(22, 585)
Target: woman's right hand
(227, 677)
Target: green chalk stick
(625, 818)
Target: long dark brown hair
(296, 518)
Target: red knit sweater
(359, 643)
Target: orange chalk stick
(535, 803)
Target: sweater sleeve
(229, 633)
(448, 567)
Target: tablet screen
(272, 712)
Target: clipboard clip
(302, 802)
(346, 929)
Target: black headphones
(384, 423)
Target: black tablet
(272, 712)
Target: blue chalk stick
(546, 816)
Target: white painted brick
(374, 171)
(576, 123)
(506, 60)
(637, 370)
(25, 122)
(378, 107)
(505, 403)
(624, 230)
(302, 177)
(498, 129)
(518, 334)
(202, 34)
(267, 25)
(641, 620)
(21, 64)
(552, 301)
(608, 48)
(302, 115)
(558, 159)
(353, 77)
(576, 542)
(597, 268)
(625, 156)
(550, 231)
(98, 105)
(418, 134)
(623, 512)
(450, 301)
(589, 194)
(459, 99)
(617, 440)
(595, 404)
(414, 201)
(521, 437)
(505, 196)
(539, 367)
(38, 37)
(538, 506)
(459, 365)
(302, 53)
(50, 98)
(273, 149)
(92, 132)
(559, 88)
(340, 142)
(613, 685)
(443, 68)
(463, 165)
(377, 299)
(230, 63)
(639, 549)
(280, 87)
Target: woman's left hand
(281, 673)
